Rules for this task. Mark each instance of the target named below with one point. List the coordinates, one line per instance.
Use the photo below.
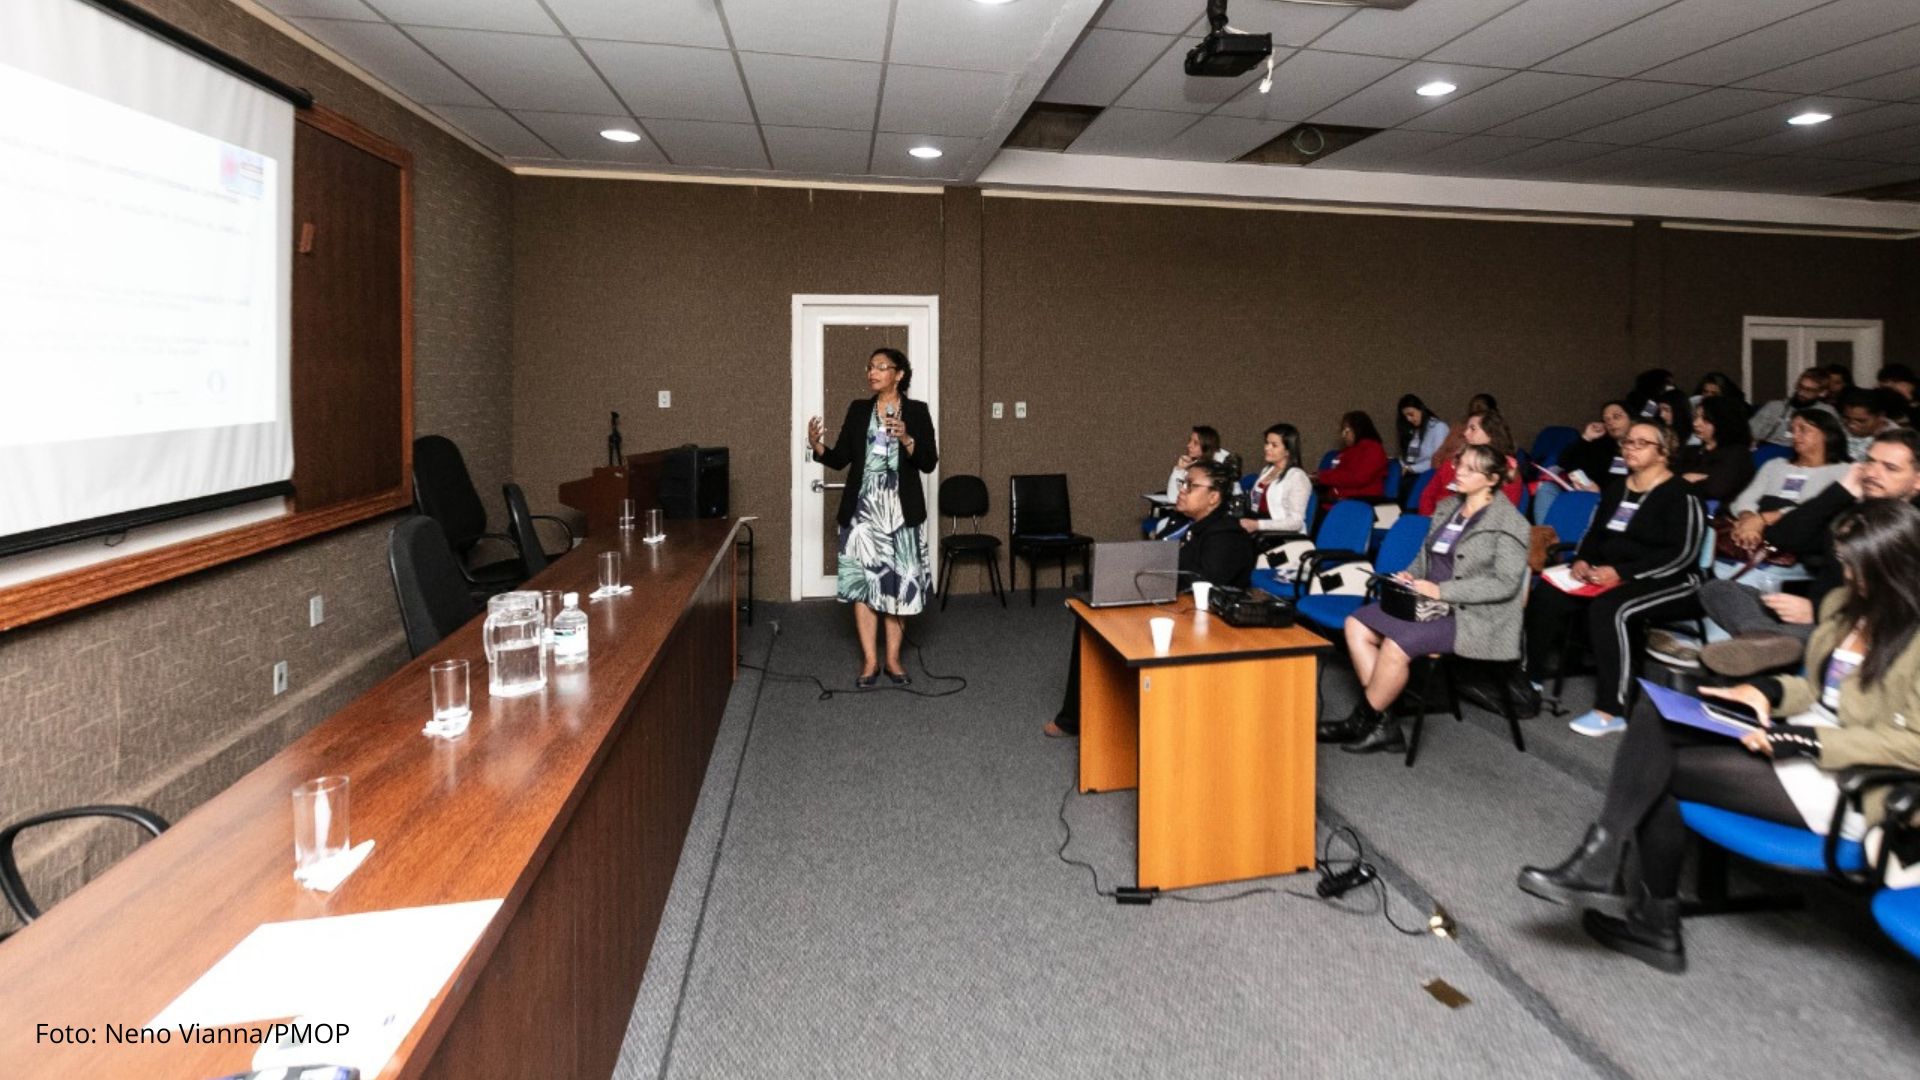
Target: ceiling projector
(1226, 52)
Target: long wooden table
(571, 803)
(1217, 733)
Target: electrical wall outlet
(280, 678)
(666, 399)
(999, 409)
(316, 610)
(1019, 410)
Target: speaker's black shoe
(1382, 735)
(1589, 878)
(866, 682)
(1649, 932)
(1347, 728)
(902, 679)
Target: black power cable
(826, 694)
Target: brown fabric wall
(624, 289)
(1123, 325)
(1712, 279)
(164, 698)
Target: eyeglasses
(881, 367)
(1188, 485)
(1638, 444)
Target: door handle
(822, 485)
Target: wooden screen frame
(57, 594)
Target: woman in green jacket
(1858, 703)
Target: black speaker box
(693, 482)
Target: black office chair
(966, 496)
(443, 490)
(15, 890)
(434, 600)
(520, 529)
(1040, 525)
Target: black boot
(1650, 932)
(1590, 877)
(1347, 728)
(1382, 733)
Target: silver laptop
(1135, 572)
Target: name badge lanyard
(1844, 662)
(1450, 535)
(1623, 514)
(1793, 486)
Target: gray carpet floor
(871, 889)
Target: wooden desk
(571, 804)
(1217, 734)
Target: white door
(1777, 350)
(833, 336)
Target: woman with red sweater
(1487, 429)
(1360, 470)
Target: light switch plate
(316, 610)
(281, 677)
(666, 399)
(999, 409)
(1019, 410)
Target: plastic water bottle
(570, 632)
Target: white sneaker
(1596, 723)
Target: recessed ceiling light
(1436, 89)
(1806, 119)
(925, 153)
(620, 135)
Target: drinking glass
(320, 820)
(451, 702)
(626, 514)
(609, 570)
(656, 525)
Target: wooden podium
(598, 496)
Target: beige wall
(164, 698)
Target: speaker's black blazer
(850, 449)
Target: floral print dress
(883, 560)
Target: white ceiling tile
(800, 91)
(1290, 24)
(659, 22)
(1883, 174)
(1702, 108)
(1472, 151)
(1850, 120)
(1893, 52)
(1735, 130)
(1509, 99)
(844, 29)
(522, 72)
(890, 157)
(822, 151)
(1392, 100)
(1545, 155)
(577, 137)
(1772, 172)
(1898, 145)
(1102, 65)
(391, 57)
(942, 101)
(1894, 86)
(320, 9)
(1310, 81)
(1677, 171)
(979, 37)
(1525, 35)
(673, 82)
(699, 144)
(1166, 85)
(1130, 132)
(1671, 33)
(1612, 102)
(1221, 138)
(1841, 23)
(1385, 151)
(517, 16)
(1413, 32)
(1628, 165)
(496, 131)
(1153, 16)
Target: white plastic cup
(1162, 628)
(1202, 592)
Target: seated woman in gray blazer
(1474, 559)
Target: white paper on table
(379, 970)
